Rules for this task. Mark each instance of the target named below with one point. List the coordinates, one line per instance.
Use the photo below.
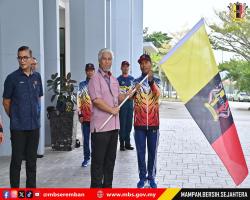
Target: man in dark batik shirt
(21, 100)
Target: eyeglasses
(24, 58)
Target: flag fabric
(191, 68)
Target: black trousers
(104, 146)
(24, 144)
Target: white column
(127, 33)
(108, 24)
(20, 24)
(77, 35)
(136, 35)
(121, 33)
(94, 28)
(41, 146)
(52, 53)
(87, 34)
(67, 36)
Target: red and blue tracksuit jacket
(146, 104)
(83, 101)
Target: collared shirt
(83, 101)
(98, 87)
(24, 92)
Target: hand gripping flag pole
(133, 91)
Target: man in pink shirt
(105, 95)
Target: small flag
(191, 68)
(238, 11)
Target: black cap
(144, 57)
(125, 63)
(89, 66)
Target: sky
(172, 16)
(176, 15)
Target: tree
(231, 36)
(161, 41)
(158, 38)
(177, 36)
(238, 71)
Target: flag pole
(133, 91)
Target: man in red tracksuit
(146, 122)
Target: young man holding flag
(146, 121)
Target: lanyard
(108, 83)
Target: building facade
(65, 35)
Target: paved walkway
(185, 158)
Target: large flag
(191, 68)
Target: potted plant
(62, 123)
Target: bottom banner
(93, 194)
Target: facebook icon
(6, 194)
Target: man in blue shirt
(126, 111)
(21, 101)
